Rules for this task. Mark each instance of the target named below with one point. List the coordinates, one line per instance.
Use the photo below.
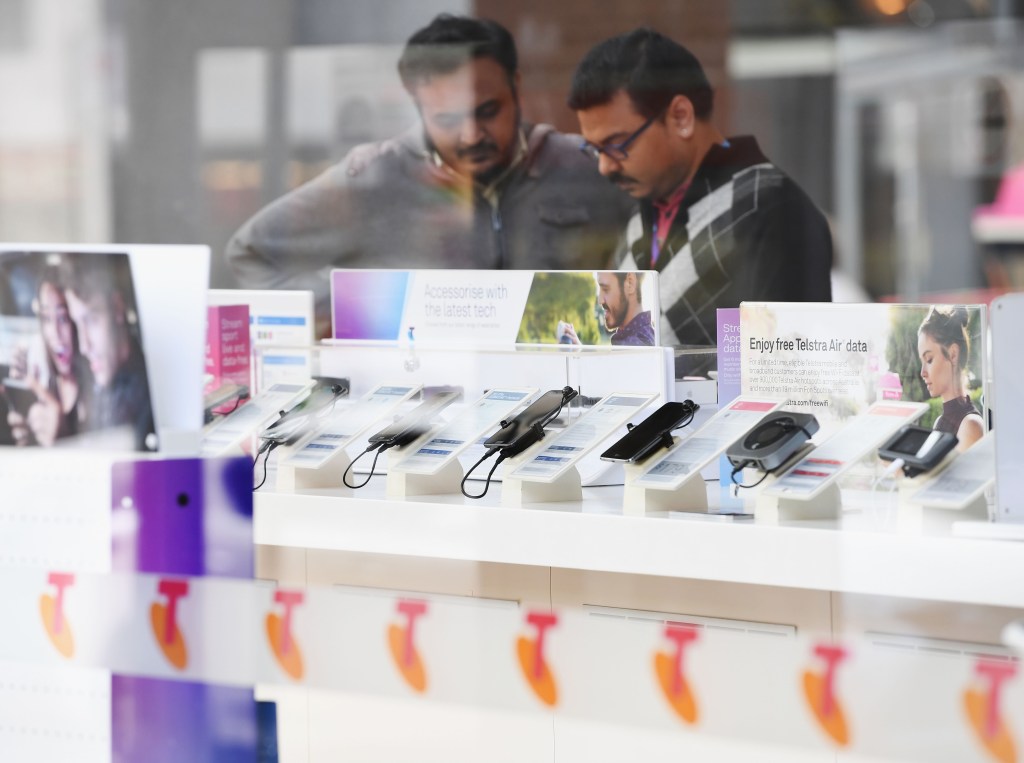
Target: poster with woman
(72, 368)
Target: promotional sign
(496, 307)
(73, 371)
(278, 320)
(228, 351)
(158, 363)
(835, 360)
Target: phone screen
(298, 419)
(416, 422)
(540, 409)
(648, 434)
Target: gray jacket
(387, 205)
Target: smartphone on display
(921, 449)
(20, 396)
(651, 433)
(416, 422)
(301, 417)
(518, 430)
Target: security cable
(487, 485)
(265, 450)
(380, 447)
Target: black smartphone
(416, 422)
(651, 433)
(921, 449)
(301, 417)
(517, 432)
(20, 396)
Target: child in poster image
(60, 387)
(620, 298)
(944, 348)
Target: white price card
(583, 435)
(846, 447)
(466, 428)
(963, 481)
(346, 423)
(674, 467)
(251, 417)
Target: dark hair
(448, 42)
(639, 282)
(947, 325)
(650, 67)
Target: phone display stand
(402, 484)
(952, 492)
(518, 492)
(637, 501)
(826, 505)
(327, 474)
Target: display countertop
(861, 553)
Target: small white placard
(465, 429)
(687, 457)
(346, 423)
(846, 447)
(230, 431)
(963, 481)
(582, 436)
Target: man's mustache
(619, 178)
(481, 150)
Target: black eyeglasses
(615, 151)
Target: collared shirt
(667, 211)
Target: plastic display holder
(955, 493)
(403, 484)
(671, 480)
(809, 489)
(691, 495)
(320, 460)
(548, 471)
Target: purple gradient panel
(182, 517)
(368, 304)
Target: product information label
(346, 423)
(252, 416)
(687, 457)
(583, 435)
(850, 444)
(468, 427)
(963, 480)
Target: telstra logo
(983, 705)
(819, 690)
(279, 634)
(52, 610)
(402, 643)
(669, 668)
(531, 658)
(164, 620)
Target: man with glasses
(471, 186)
(717, 219)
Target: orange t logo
(531, 658)
(983, 710)
(819, 690)
(402, 642)
(279, 634)
(668, 667)
(164, 621)
(52, 610)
